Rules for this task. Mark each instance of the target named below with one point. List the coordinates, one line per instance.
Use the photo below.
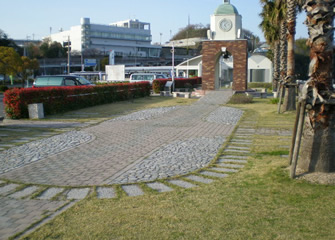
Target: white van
(140, 77)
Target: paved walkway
(119, 151)
(116, 145)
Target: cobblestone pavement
(118, 144)
(123, 151)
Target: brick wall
(211, 55)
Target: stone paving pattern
(40, 149)
(18, 209)
(17, 215)
(118, 144)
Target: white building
(190, 68)
(260, 69)
(128, 38)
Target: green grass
(259, 202)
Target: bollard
(36, 111)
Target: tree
(253, 40)
(281, 16)
(191, 31)
(7, 42)
(301, 59)
(10, 61)
(290, 96)
(103, 63)
(271, 30)
(52, 49)
(33, 50)
(318, 150)
(27, 68)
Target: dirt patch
(317, 177)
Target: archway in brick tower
(212, 52)
(224, 70)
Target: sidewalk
(142, 147)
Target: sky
(33, 19)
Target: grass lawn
(258, 202)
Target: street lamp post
(172, 70)
(187, 68)
(68, 54)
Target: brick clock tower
(225, 35)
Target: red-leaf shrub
(62, 99)
(159, 84)
(184, 82)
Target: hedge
(3, 88)
(159, 84)
(260, 85)
(62, 99)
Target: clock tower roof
(226, 9)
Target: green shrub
(240, 99)
(274, 100)
(260, 85)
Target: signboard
(90, 62)
(115, 73)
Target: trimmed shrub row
(259, 85)
(240, 98)
(3, 88)
(159, 84)
(62, 99)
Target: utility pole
(68, 54)
(172, 71)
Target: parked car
(61, 81)
(140, 77)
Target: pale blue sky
(22, 18)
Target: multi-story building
(130, 38)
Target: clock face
(226, 25)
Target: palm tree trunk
(276, 65)
(283, 50)
(290, 95)
(291, 22)
(318, 150)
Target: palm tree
(270, 29)
(318, 150)
(281, 22)
(290, 96)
